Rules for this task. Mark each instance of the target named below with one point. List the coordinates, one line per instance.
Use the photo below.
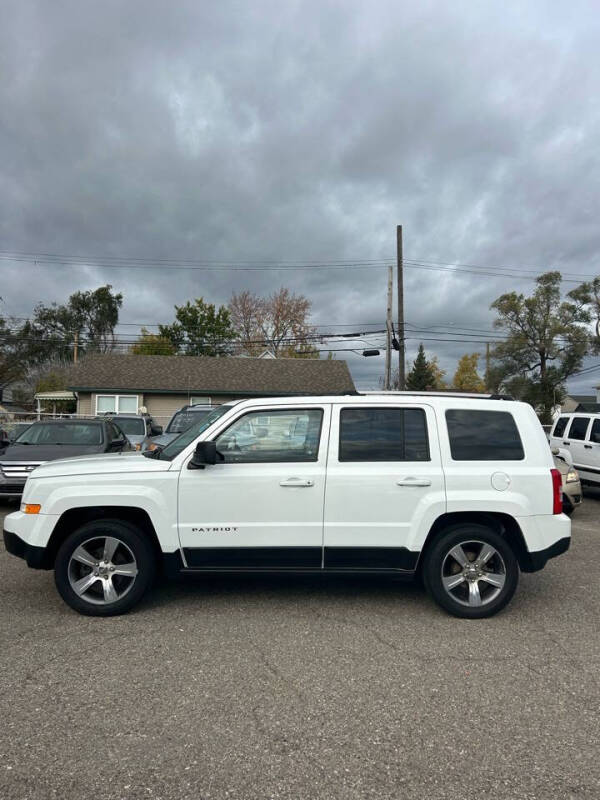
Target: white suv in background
(580, 433)
(460, 490)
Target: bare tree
(245, 309)
(278, 323)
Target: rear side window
(483, 435)
(560, 426)
(579, 427)
(383, 434)
(595, 432)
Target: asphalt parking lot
(304, 688)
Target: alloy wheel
(473, 573)
(102, 570)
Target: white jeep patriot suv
(459, 490)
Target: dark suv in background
(54, 439)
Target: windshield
(83, 433)
(131, 426)
(183, 420)
(181, 442)
(18, 430)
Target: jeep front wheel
(104, 567)
(471, 571)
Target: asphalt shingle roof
(226, 375)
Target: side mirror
(204, 455)
(156, 430)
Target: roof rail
(468, 395)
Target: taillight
(557, 492)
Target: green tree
(546, 340)
(466, 378)
(90, 317)
(152, 344)
(200, 329)
(421, 378)
(587, 296)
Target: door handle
(567, 443)
(588, 446)
(413, 482)
(296, 482)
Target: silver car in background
(138, 428)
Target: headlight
(572, 476)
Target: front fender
(156, 494)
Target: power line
(130, 262)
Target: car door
(575, 440)
(262, 506)
(384, 484)
(589, 468)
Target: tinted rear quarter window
(579, 427)
(477, 435)
(383, 434)
(595, 432)
(560, 426)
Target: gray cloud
(304, 130)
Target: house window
(116, 403)
(196, 400)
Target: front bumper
(36, 557)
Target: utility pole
(487, 365)
(75, 346)
(387, 384)
(401, 372)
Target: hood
(105, 464)
(45, 452)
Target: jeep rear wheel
(104, 567)
(471, 571)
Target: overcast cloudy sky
(304, 132)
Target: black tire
(439, 564)
(128, 589)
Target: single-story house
(588, 403)
(162, 384)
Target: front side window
(383, 434)
(477, 435)
(273, 436)
(579, 427)
(560, 426)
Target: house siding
(160, 406)
(84, 404)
